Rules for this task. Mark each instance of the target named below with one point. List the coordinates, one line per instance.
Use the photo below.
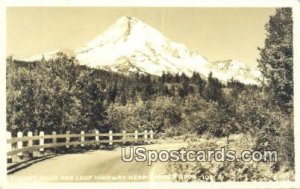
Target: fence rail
(35, 145)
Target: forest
(62, 95)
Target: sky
(215, 33)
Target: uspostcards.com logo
(141, 154)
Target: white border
(147, 3)
(155, 3)
(2, 97)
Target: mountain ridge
(130, 45)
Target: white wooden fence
(17, 146)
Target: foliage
(59, 94)
(276, 65)
(276, 57)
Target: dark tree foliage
(59, 94)
(213, 90)
(276, 57)
(276, 66)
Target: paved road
(94, 166)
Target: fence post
(124, 137)
(36, 152)
(96, 137)
(20, 143)
(41, 141)
(30, 143)
(8, 136)
(68, 139)
(82, 138)
(110, 138)
(18, 157)
(145, 136)
(151, 136)
(135, 136)
(54, 139)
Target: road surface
(95, 166)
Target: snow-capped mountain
(130, 45)
(49, 55)
(46, 56)
(233, 69)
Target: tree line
(59, 94)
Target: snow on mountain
(233, 69)
(130, 45)
(49, 55)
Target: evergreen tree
(276, 57)
(112, 93)
(213, 90)
(123, 97)
(184, 89)
(148, 88)
(163, 78)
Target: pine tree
(184, 89)
(123, 97)
(276, 57)
(148, 88)
(213, 90)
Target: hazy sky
(215, 33)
